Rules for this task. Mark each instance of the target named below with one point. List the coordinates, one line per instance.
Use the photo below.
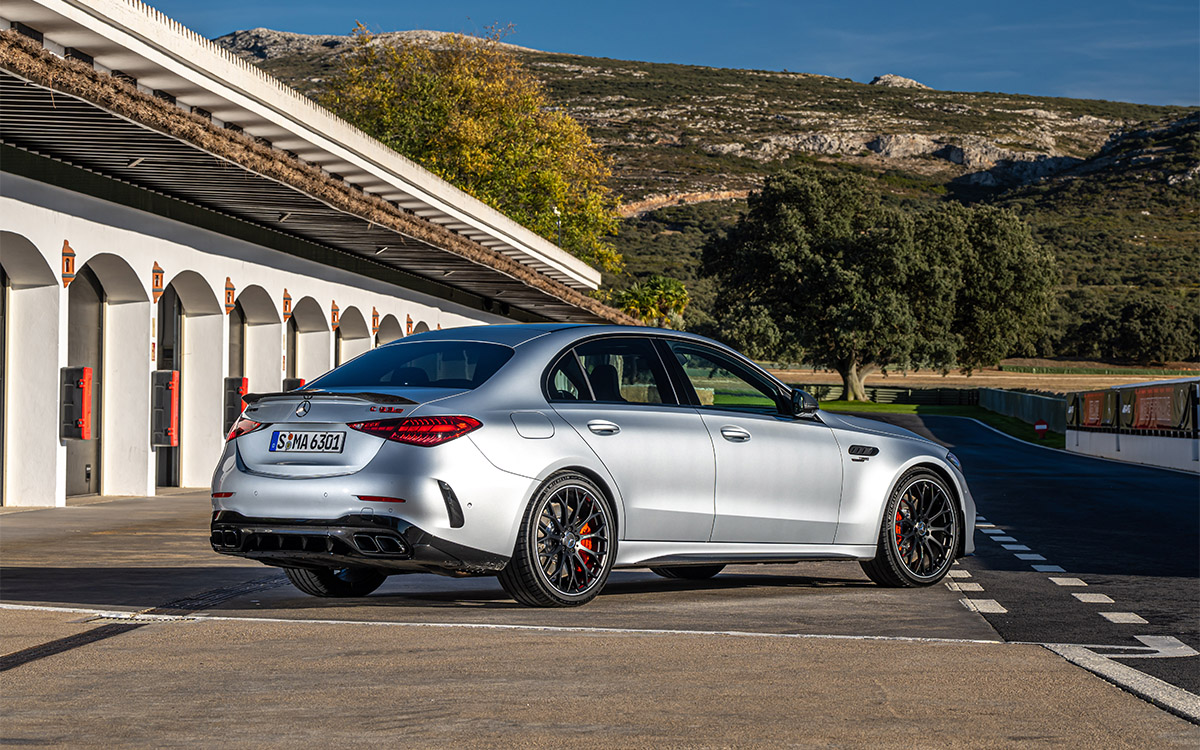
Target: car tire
(688, 572)
(919, 536)
(332, 582)
(565, 547)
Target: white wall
(202, 401)
(32, 458)
(1167, 452)
(126, 468)
(264, 357)
(46, 216)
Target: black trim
(378, 398)
(398, 546)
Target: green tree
(818, 268)
(658, 301)
(467, 110)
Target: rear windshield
(424, 364)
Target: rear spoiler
(377, 398)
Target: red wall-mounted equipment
(164, 408)
(76, 403)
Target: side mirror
(803, 403)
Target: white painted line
(1029, 556)
(992, 530)
(959, 574)
(1056, 569)
(985, 526)
(1160, 693)
(988, 606)
(1124, 618)
(1015, 547)
(969, 586)
(1003, 539)
(1063, 581)
(137, 616)
(1094, 598)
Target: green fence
(893, 395)
(1026, 407)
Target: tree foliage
(658, 301)
(470, 112)
(818, 268)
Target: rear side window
(625, 370)
(425, 364)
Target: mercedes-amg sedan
(549, 454)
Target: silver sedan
(549, 454)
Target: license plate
(307, 442)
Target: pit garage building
(177, 227)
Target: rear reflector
(379, 499)
(222, 494)
(423, 431)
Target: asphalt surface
(1131, 533)
(120, 627)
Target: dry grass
(990, 378)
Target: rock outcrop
(897, 82)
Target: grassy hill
(1111, 187)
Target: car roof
(508, 334)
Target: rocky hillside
(687, 129)
(1112, 187)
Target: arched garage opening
(29, 324)
(108, 328)
(255, 344)
(389, 330)
(421, 327)
(308, 342)
(189, 341)
(352, 337)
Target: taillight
(243, 426)
(424, 431)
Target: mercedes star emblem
(302, 409)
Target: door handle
(601, 427)
(735, 434)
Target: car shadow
(240, 589)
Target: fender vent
(863, 450)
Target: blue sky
(1139, 51)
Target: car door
(779, 478)
(615, 392)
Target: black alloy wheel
(920, 533)
(565, 547)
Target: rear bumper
(382, 542)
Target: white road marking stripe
(1159, 692)
(959, 574)
(994, 532)
(979, 517)
(1015, 547)
(985, 526)
(1094, 598)
(1124, 618)
(1029, 556)
(137, 616)
(969, 586)
(1003, 539)
(989, 606)
(1050, 569)
(1064, 581)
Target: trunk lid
(316, 423)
